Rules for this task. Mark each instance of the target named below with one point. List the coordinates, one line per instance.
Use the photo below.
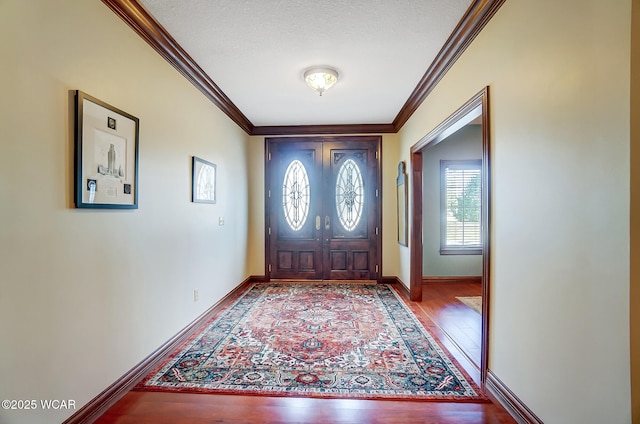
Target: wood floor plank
(186, 408)
(152, 407)
(457, 320)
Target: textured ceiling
(257, 50)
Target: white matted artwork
(203, 180)
(106, 155)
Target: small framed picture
(203, 181)
(402, 197)
(106, 155)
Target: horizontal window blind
(461, 204)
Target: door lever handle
(327, 222)
(318, 223)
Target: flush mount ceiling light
(321, 78)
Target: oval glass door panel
(349, 195)
(295, 195)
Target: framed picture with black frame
(106, 155)
(401, 199)
(203, 181)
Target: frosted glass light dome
(321, 78)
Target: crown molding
(145, 25)
(475, 18)
(324, 129)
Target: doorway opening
(474, 110)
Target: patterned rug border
(479, 398)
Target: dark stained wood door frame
(447, 127)
(327, 139)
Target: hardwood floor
(457, 320)
(183, 408)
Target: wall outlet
(196, 295)
(221, 221)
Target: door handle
(327, 222)
(318, 223)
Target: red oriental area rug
(316, 340)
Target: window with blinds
(460, 207)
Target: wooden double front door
(323, 208)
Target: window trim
(444, 248)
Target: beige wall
(390, 158)
(558, 74)
(256, 200)
(635, 212)
(87, 294)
